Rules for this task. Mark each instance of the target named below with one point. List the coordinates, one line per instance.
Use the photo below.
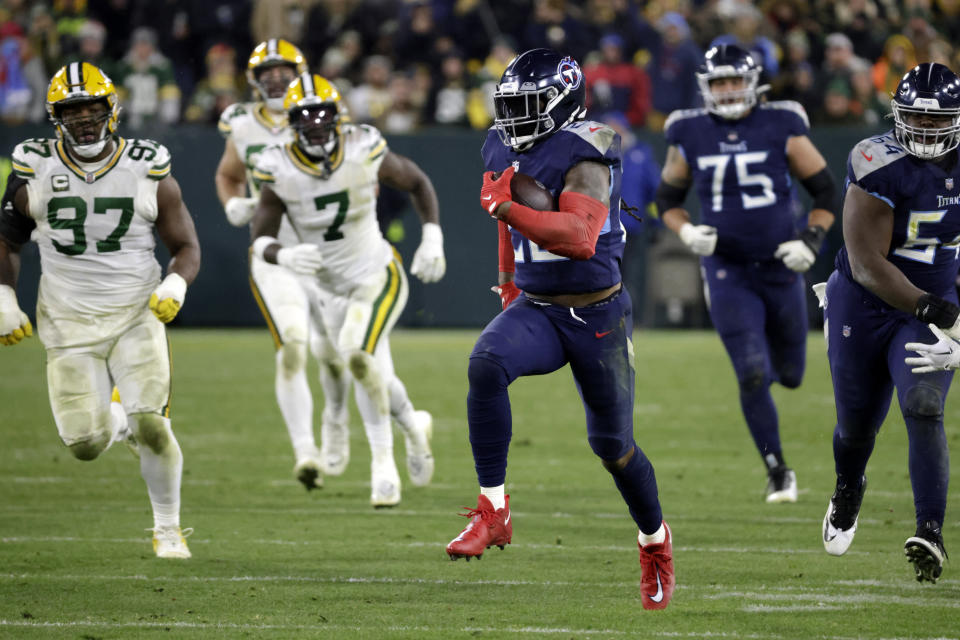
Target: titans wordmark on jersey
(741, 174)
(336, 208)
(926, 210)
(538, 270)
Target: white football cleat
(781, 485)
(840, 522)
(384, 482)
(307, 472)
(170, 542)
(334, 447)
(419, 456)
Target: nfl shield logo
(846, 331)
(949, 184)
(732, 136)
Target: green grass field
(272, 561)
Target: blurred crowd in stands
(406, 64)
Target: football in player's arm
(895, 282)
(563, 302)
(739, 153)
(102, 303)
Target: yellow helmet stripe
(272, 47)
(309, 89)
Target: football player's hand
(240, 210)
(166, 300)
(14, 323)
(304, 259)
(496, 191)
(429, 264)
(702, 239)
(796, 255)
(942, 355)
(507, 291)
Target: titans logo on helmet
(570, 74)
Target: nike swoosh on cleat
(659, 596)
(507, 520)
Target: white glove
(428, 262)
(796, 255)
(14, 323)
(166, 299)
(240, 210)
(942, 355)
(304, 259)
(702, 239)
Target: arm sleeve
(571, 232)
(15, 226)
(505, 260)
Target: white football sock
(373, 404)
(162, 473)
(401, 409)
(495, 496)
(296, 406)
(655, 538)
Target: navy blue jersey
(926, 211)
(741, 174)
(538, 270)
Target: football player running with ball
(324, 183)
(894, 278)
(563, 302)
(739, 155)
(93, 199)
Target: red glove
(508, 292)
(496, 191)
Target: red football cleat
(487, 528)
(656, 567)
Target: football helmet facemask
(729, 61)
(268, 54)
(928, 94)
(540, 92)
(315, 111)
(75, 84)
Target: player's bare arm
(10, 247)
(867, 232)
(266, 221)
(809, 166)
(429, 263)
(231, 177)
(403, 173)
(176, 230)
(675, 180)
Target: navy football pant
(865, 348)
(760, 312)
(531, 338)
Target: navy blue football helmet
(729, 61)
(929, 91)
(540, 92)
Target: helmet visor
(316, 127)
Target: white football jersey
(94, 225)
(251, 130)
(336, 209)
